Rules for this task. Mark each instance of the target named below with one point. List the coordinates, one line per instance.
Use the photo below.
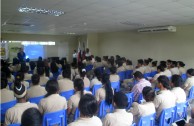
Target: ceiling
(88, 16)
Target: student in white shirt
(167, 72)
(174, 69)
(147, 107)
(27, 76)
(97, 78)
(147, 67)
(75, 56)
(120, 66)
(165, 98)
(190, 81)
(140, 66)
(88, 107)
(181, 66)
(160, 70)
(129, 65)
(119, 117)
(43, 78)
(169, 63)
(154, 66)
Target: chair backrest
(128, 74)
(146, 75)
(191, 93)
(95, 88)
(169, 77)
(121, 75)
(88, 67)
(55, 75)
(15, 125)
(10, 85)
(184, 77)
(87, 88)
(134, 124)
(76, 114)
(36, 100)
(116, 85)
(148, 120)
(130, 97)
(67, 94)
(180, 111)
(55, 118)
(104, 109)
(140, 98)
(153, 73)
(167, 117)
(4, 107)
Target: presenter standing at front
(21, 55)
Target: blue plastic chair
(148, 120)
(10, 84)
(116, 85)
(191, 94)
(153, 73)
(76, 114)
(184, 77)
(121, 75)
(140, 98)
(180, 111)
(128, 74)
(130, 97)
(36, 100)
(166, 117)
(169, 77)
(55, 75)
(146, 75)
(14, 125)
(95, 88)
(88, 67)
(4, 107)
(87, 88)
(67, 94)
(134, 124)
(55, 118)
(104, 109)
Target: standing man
(21, 55)
(75, 56)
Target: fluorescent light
(71, 33)
(40, 11)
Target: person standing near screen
(21, 55)
(75, 56)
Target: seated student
(98, 62)
(27, 76)
(120, 67)
(154, 66)
(129, 65)
(147, 67)
(105, 61)
(74, 70)
(189, 82)
(140, 66)
(165, 98)
(52, 101)
(114, 77)
(10, 77)
(174, 69)
(88, 107)
(74, 99)
(105, 92)
(20, 76)
(167, 72)
(142, 82)
(147, 107)
(191, 121)
(119, 117)
(160, 70)
(111, 63)
(84, 77)
(97, 78)
(16, 66)
(43, 78)
(66, 84)
(169, 63)
(31, 117)
(176, 83)
(123, 59)
(14, 114)
(181, 68)
(150, 62)
(35, 90)
(6, 94)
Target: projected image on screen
(34, 51)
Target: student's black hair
(163, 63)
(19, 88)
(150, 60)
(113, 70)
(88, 105)
(190, 72)
(169, 61)
(108, 89)
(140, 61)
(161, 68)
(26, 69)
(54, 68)
(15, 61)
(120, 62)
(154, 63)
(7, 71)
(138, 74)
(20, 75)
(177, 80)
(28, 60)
(181, 64)
(66, 73)
(174, 63)
(32, 65)
(79, 84)
(146, 62)
(35, 79)
(40, 63)
(148, 93)
(31, 117)
(164, 81)
(111, 61)
(52, 87)
(98, 74)
(121, 100)
(129, 62)
(3, 83)
(47, 71)
(40, 71)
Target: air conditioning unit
(158, 29)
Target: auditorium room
(97, 63)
